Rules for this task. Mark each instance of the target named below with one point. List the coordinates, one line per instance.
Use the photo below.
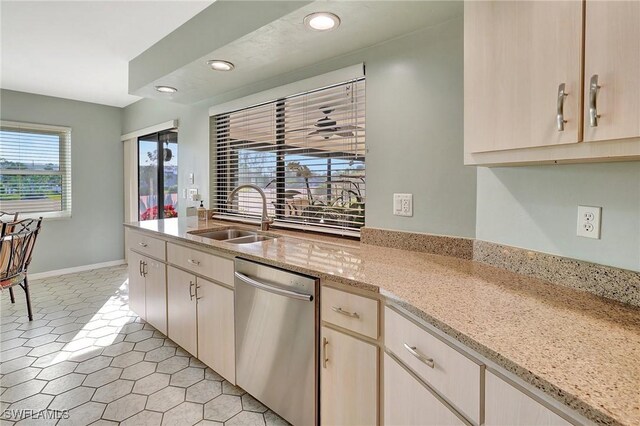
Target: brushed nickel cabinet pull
(140, 268)
(325, 342)
(191, 285)
(143, 244)
(198, 297)
(345, 313)
(560, 113)
(145, 271)
(194, 262)
(413, 351)
(593, 95)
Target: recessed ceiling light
(322, 21)
(219, 65)
(166, 89)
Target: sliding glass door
(158, 175)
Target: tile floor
(87, 353)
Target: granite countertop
(581, 349)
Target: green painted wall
(93, 233)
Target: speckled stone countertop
(580, 349)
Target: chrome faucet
(266, 220)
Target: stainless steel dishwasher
(276, 319)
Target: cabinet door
(181, 309)
(612, 52)
(506, 405)
(348, 380)
(408, 402)
(156, 295)
(136, 284)
(216, 342)
(516, 54)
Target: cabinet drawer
(355, 313)
(408, 402)
(208, 265)
(506, 405)
(148, 245)
(451, 374)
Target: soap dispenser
(202, 212)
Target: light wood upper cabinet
(612, 52)
(216, 341)
(516, 55)
(156, 294)
(348, 380)
(136, 284)
(182, 320)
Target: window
(307, 152)
(158, 175)
(35, 166)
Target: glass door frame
(160, 168)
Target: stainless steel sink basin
(225, 234)
(233, 236)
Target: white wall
(536, 208)
(414, 129)
(93, 233)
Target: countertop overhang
(580, 349)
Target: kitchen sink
(233, 236)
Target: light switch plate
(193, 194)
(589, 222)
(403, 204)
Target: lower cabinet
(506, 405)
(182, 314)
(216, 340)
(409, 402)
(147, 290)
(349, 380)
(201, 320)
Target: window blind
(307, 152)
(35, 169)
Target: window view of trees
(158, 176)
(30, 178)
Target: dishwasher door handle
(274, 290)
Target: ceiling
(284, 44)
(81, 49)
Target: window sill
(46, 215)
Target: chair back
(8, 217)
(17, 240)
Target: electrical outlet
(193, 194)
(403, 204)
(589, 222)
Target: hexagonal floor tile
(204, 391)
(64, 383)
(173, 364)
(102, 377)
(222, 408)
(246, 418)
(187, 377)
(23, 390)
(166, 399)
(229, 389)
(127, 359)
(160, 354)
(118, 349)
(152, 383)
(272, 419)
(113, 391)
(187, 413)
(149, 344)
(138, 336)
(249, 403)
(72, 398)
(94, 364)
(139, 370)
(124, 407)
(144, 418)
(84, 414)
(19, 376)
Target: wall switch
(193, 194)
(191, 179)
(589, 222)
(403, 204)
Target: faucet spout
(266, 220)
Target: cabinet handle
(140, 268)
(191, 284)
(198, 297)
(560, 115)
(325, 342)
(593, 94)
(345, 313)
(144, 269)
(413, 351)
(143, 244)
(194, 262)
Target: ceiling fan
(328, 127)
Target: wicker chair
(17, 240)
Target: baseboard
(75, 269)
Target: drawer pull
(194, 262)
(412, 350)
(325, 342)
(143, 244)
(345, 313)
